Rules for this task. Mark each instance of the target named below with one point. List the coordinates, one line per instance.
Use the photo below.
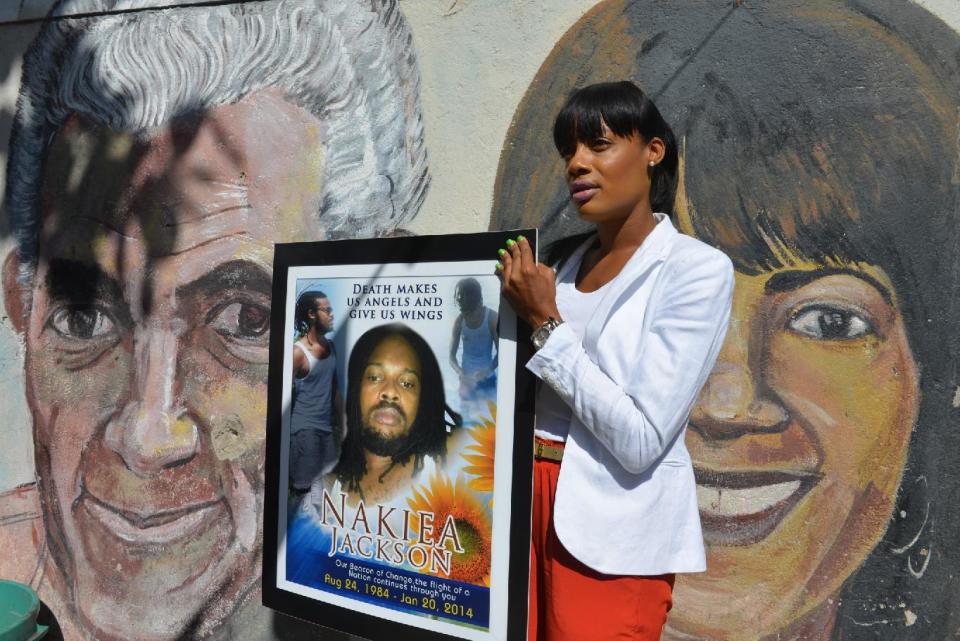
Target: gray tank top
(313, 394)
(477, 344)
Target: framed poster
(399, 440)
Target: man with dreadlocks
(476, 330)
(316, 400)
(397, 415)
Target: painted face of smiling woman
(824, 164)
(799, 438)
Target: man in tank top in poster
(316, 399)
(476, 330)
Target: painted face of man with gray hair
(155, 159)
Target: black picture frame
(410, 251)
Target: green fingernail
(510, 242)
(501, 252)
(520, 238)
(498, 266)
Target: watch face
(541, 335)
(539, 338)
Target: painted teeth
(728, 501)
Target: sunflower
(444, 499)
(481, 460)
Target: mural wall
(820, 150)
(153, 155)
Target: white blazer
(626, 498)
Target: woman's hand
(529, 286)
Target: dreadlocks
(427, 435)
(305, 304)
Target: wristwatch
(543, 331)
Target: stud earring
(652, 163)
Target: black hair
(469, 288)
(626, 111)
(305, 304)
(428, 434)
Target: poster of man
(398, 420)
(396, 524)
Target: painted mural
(155, 155)
(154, 159)
(820, 151)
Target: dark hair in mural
(811, 132)
(141, 69)
(627, 111)
(428, 434)
(305, 304)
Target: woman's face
(609, 176)
(798, 439)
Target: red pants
(571, 602)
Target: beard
(380, 444)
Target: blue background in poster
(309, 564)
(437, 333)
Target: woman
(820, 153)
(626, 335)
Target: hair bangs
(626, 111)
(771, 190)
(759, 239)
(618, 105)
(779, 209)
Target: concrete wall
(820, 145)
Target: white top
(631, 381)
(575, 307)
(311, 359)
(314, 503)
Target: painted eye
(829, 323)
(242, 320)
(83, 322)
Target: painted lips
(743, 508)
(158, 528)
